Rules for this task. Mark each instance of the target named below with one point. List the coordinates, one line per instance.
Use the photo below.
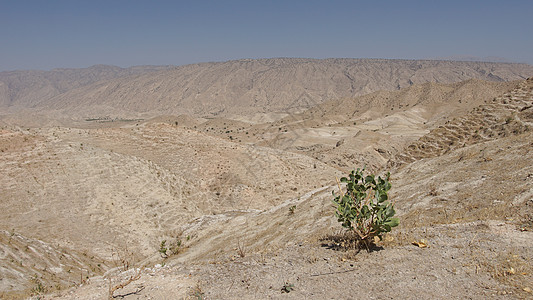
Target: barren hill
(508, 114)
(97, 190)
(249, 87)
(238, 195)
(471, 206)
(366, 130)
(22, 89)
(440, 100)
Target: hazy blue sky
(56, 34)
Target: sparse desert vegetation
(136, 183)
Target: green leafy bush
(364, 207)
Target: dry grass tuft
(121, 285)
(348, 241)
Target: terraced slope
(28, 263)
(371, 129)
(509, 114)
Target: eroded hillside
(471, 206)
(247, 89)
(245, 207)
(23, 89)
(130, 188)
(508, 114)
(368, 130)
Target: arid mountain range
(230, 167)
(228, 89)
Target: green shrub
(169, 249)
(287, 287)
(364, 208)
(163, 249)
(292, 209)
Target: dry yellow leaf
(422, 244)
(527, 289)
